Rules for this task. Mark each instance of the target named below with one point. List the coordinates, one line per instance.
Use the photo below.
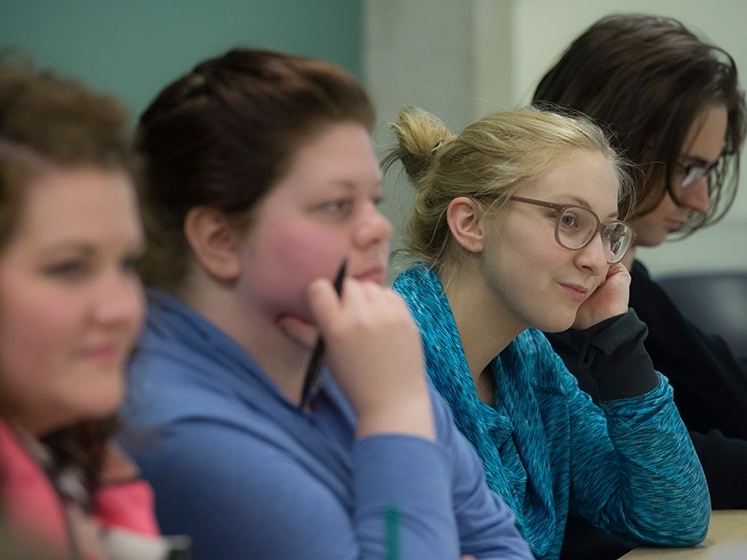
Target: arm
(243, 496)
(486, 525)
(724, 459)
(638, 432)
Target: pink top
(34, 507)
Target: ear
(213, 241)
(463, 216)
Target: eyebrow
(352, 185)
(581, 202)
(85, 248)
(697, 160)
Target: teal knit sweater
(628, 466)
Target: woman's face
(323, 210)
(71, 303)
(534, 281)
(703, 145)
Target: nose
(593, 256)
(119, 300)
(373, 228)
(696, 196)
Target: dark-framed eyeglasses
(576, 226)
(695, 171)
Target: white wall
(462, 58)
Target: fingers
(373, 351)
(324, 302)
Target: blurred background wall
(134, 47)
(462, 59)
(456, 58)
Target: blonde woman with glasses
(516, 230)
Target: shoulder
(531, 355)
(28, 497)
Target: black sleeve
(613, 355)
(709, 382)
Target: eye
(129, 263)
(339, 207)
(568, 220)
(68, 270)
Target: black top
(710, 391)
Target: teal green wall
(132, 48)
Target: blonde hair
(487, 161)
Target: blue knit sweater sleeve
(634, 471)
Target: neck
(629, 258)
(485, 326)
(282, 358)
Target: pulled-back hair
(487, 161)
(224, 134)
(647, 79)
(47, 121)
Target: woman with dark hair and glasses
(516, 230)
(672, 104)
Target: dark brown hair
(224, 134)
(646, 79)
(46, 120)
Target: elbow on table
(694, 534)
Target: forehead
(341, 154)
(84, 202)
(705, 137)
(584, 177)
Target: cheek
(36, 336)
(284, 266)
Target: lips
(576, 291)
(376, 275)
(675, 224)
(104, 354)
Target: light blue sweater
(249, 475)
(629, 467)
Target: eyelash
(377, 200)
(338, 206)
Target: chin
(105, 402)
(557, 325)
